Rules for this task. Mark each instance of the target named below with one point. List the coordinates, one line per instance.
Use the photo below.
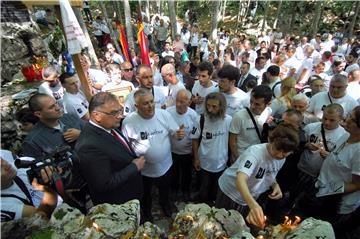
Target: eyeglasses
(127, 70)
(112, 113)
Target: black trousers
(209, 185)
(163, 184)
(181, 172)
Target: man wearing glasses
(107, 160)
(127, 73)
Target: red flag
(123, 42)
(142, 41)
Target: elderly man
(336, 94)
(236, 99)
(52, 86)
(54, 128)
(127, 73)
(317, 85)
(107, 161)
(145, 77)
(182, 149)
(210, 145)
(149, 131)
(168, 73)
(300, 103)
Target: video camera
(60, 160)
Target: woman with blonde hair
(283, 102)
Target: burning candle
(96, 226)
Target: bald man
(168, 73)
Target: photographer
(19, 198)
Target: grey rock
(116, 220)
(200, 219)
(149, 230)
(312, 228)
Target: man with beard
(210, 145)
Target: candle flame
(96, 226)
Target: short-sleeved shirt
(310, 161)
(189, 119)
(338, 169)
(258, 165)
(151, 138)
(322, 99)
(11, 207)
(236, 101)
(43, 140)
(213, 149)
(243, 127)
(76, 104)
(57, 92)
(199, 90)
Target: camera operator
(19, 198)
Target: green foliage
(46, 234)
(59, 214)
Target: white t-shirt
(310, 161)
(194, 39)
(292, 63)
(57, 92)
(167, 53)
(278, 106)
(76, 104)
(213, 149)
(158, 80)
(236, 101)
(258, 74)
(277, 88)
(204, 44)
(11, 207)
(171, 92)
(307, 65)
(159, 100)
(338, 169)
(199, 90)
(117, 58)
(189, 120)
(353, 90)
(258, 165)
(321, 99)
(151, 138)
(243, 126)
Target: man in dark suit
(107, 161)
(245, 76)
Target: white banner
(75, 37)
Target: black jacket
(107, 167)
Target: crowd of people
(266, 128)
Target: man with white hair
(182, 149)
(300, 102)
(149, 131)
(52, 86)
(336, 94)
(168, 73)
(117, 58)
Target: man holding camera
(19, 198)
(107, 161)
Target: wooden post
(77, 63)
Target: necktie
(122, 141)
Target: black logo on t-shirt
(247, 164)
(208, 135)
(260, 173)
(313, 138)
(323, 107)
(7, 216)
(193, 131)
(127, 110)
(143, 135)
(79, 111)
